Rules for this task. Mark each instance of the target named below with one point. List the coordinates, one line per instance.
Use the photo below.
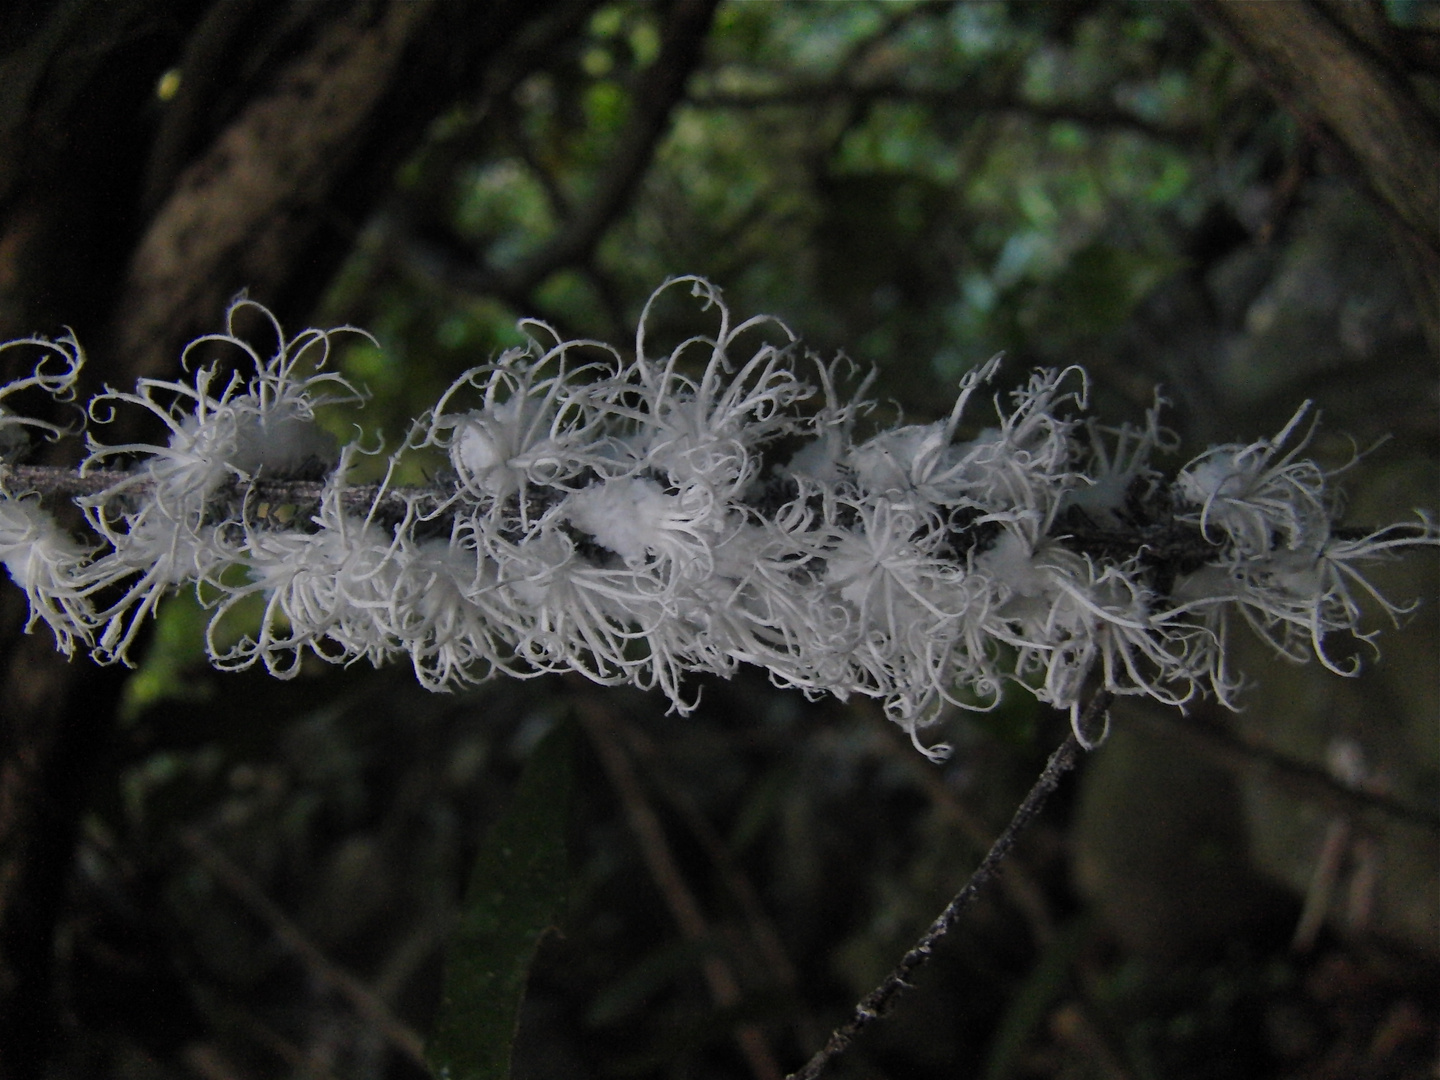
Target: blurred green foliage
(921, 184)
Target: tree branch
(1163, 545)
(655, 98)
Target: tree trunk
(1348, 75)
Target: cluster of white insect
(640, 518)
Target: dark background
(1235, 201)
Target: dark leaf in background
(516, 894)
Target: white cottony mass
(640, 517)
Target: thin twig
(1247, 756)
(356, 499)
(1019, 886)
(879, 1001)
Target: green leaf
(516, 894)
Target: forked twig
(878, 1002)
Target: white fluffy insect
(641, 517)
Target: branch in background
(320, 967)
(303, 162)
(653, 101)
(763, 934)
(971, 99)
(205, 76)
(1247, 757)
